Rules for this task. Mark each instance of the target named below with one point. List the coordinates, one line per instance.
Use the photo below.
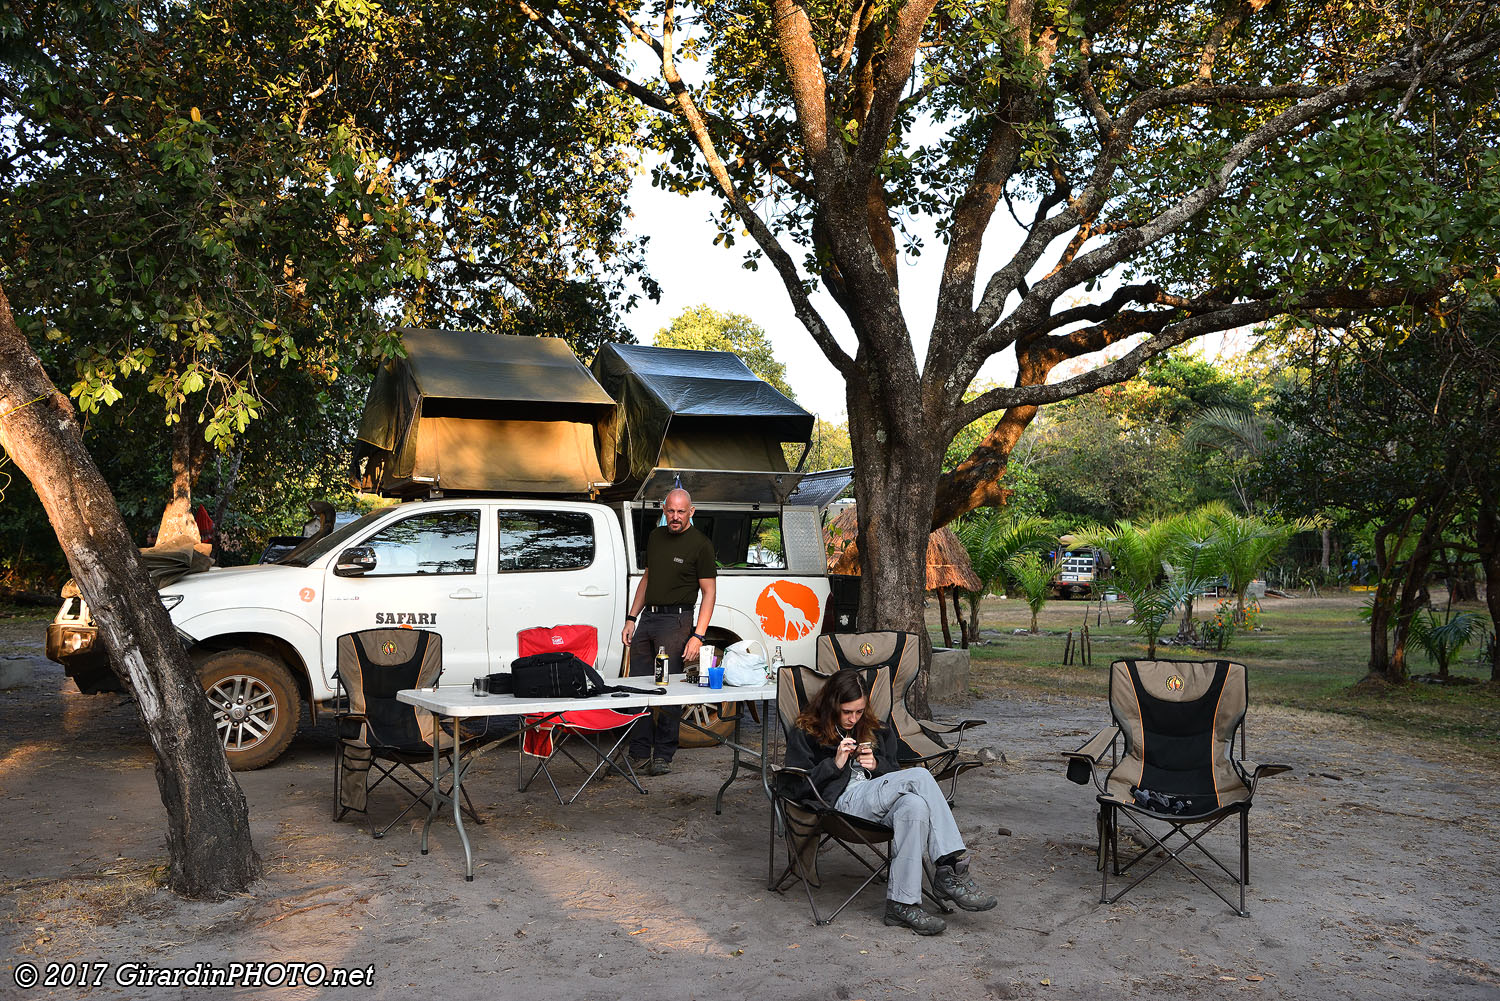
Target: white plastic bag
(743, 667)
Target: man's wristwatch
(630, 618)
(700, 639)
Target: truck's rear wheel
(255, 703)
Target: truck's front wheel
(255, 703)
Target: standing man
(679, 564)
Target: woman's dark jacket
(803, 750)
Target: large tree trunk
(188, 453)
(899, 463)
(1327, 537)
(208, 826)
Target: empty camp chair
(921, 740)
(602, 731)
(1172, 761)
(377, 733)
(806, 822)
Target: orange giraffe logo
(788, 611)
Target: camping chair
(546, 737)
(806, 821)
(920, 740)
(1177, 721)
(376, 733)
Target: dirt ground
(1374, 868)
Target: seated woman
(851, 759)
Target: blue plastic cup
(715, 677)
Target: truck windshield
(333, 540)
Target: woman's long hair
(821, 717)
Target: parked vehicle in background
(1078, 574)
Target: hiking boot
(914, 917)
(660, 767)
(954, 883)
(641, 766)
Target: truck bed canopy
(471, 411)
(688, 409)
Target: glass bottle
(773, 669)
(663, 665)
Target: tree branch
(606, 73)
(894, 70)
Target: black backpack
(555, 675)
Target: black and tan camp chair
(807, 822)
(1171, 761)
(377, 733)
(921, 740)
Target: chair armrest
(1082, 762)
(923, 761)
(933, 726)
(781, 772)
(1259, 771)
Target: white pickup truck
(476, 571)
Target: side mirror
(354, 562)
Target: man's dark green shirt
(675, 564)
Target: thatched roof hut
(947, 561)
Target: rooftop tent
(686, 409)
(471, 411)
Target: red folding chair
(548, 737)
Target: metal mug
(481, 687)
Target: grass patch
(74, 904)
(1310, 653)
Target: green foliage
(1121, 452)
(1033, 575)
(993, 539)
(706, 329)
(830, 448)
(185, 219)
(1218, 629)
(1176, 558)
(1442, 638)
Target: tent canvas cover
(687, 409)
(468, 411)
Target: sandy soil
(1374, 870)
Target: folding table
(459, 703)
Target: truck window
(545, 540)
(749, 539)
(435, 542)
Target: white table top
(461, 702)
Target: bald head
(678, 510)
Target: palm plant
(1442, 639)
(992, 539)
(1245, 545)
(1033, 576)
(1239, 434)
(1138, 553)
(1193, 562)
(1154, 604)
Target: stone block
(14, 673)
(950, 673)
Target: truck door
(555, 566)
(429, 574)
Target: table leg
(765, 784)
(734, 768)
(437, 789)
(457, 796)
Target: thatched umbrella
(948, 563)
